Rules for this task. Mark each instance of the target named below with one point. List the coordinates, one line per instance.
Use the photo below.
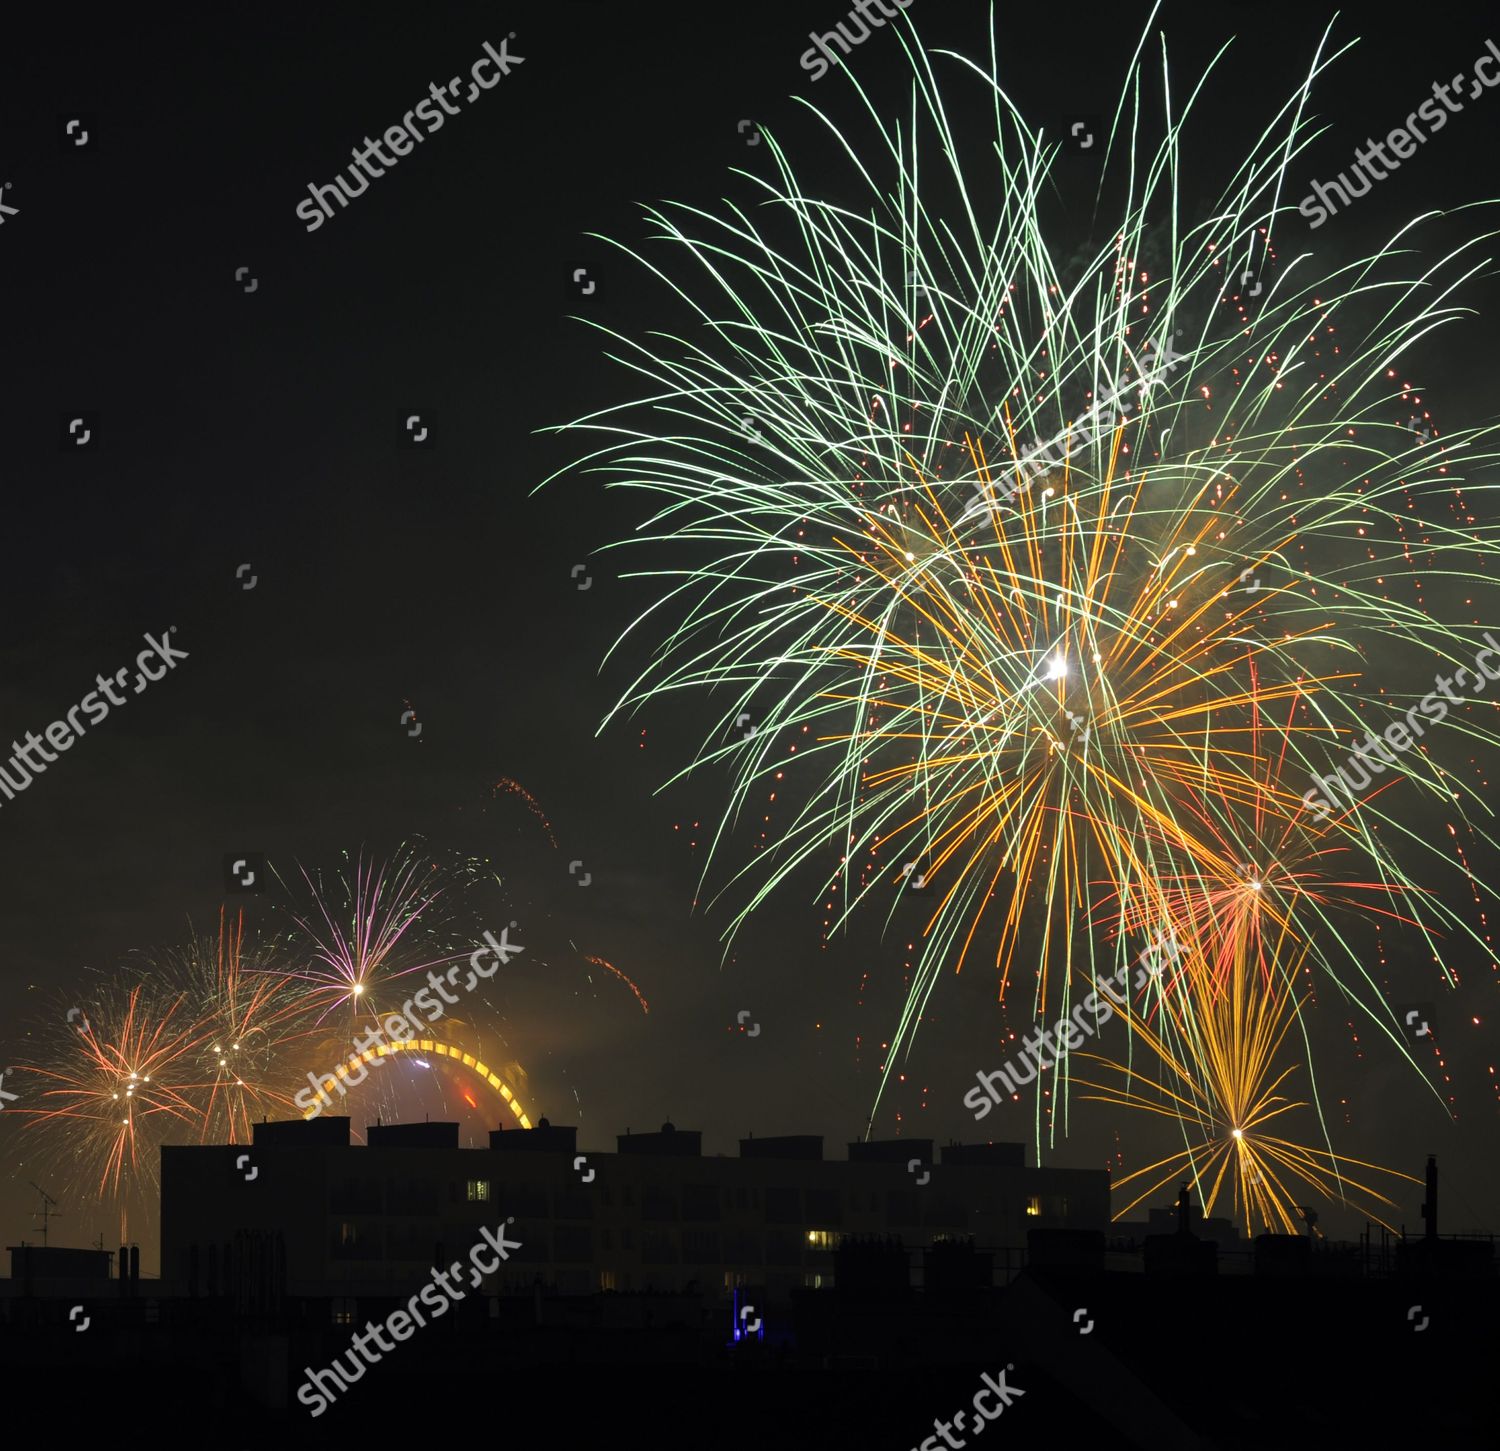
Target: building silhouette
(305, 1214)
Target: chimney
(1430, 1208)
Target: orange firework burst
(1219, 1049)
(959, 506)
(116, 1078)
(1034, 713)
(1258, 869)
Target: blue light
(736, 1327)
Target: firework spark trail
(1223, 1089)
(111, 1089)
(610, 967)
(1028, 702)
(197, 1043)
(515, 788)
(1250, 881)
(254, 1014)
(365, 933)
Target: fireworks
(254, 1018)
(1217, 1045)
(610, 967)
(506, 786)
(1049, 573)
(103, 1089)
(366, 929)
(366, 937)
(198, 1043)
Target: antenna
(47, 1211)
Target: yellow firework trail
(1221, 1073)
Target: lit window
(343, 1311)
(478, 1189)
(1033, 1206)
(820, 1238)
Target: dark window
(783, 1206)
(945, 1213)
(659, 1247)
(783, 1247)
(411, 1196)
(350, 1241)
(355, 1196)
(574, 1243)
(700, 1246)
(742, 1247)
(409, 1242)
(529, 1199)
(534, 1244)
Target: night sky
(264, 428)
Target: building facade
(311, 1216)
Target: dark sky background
(262, 428)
